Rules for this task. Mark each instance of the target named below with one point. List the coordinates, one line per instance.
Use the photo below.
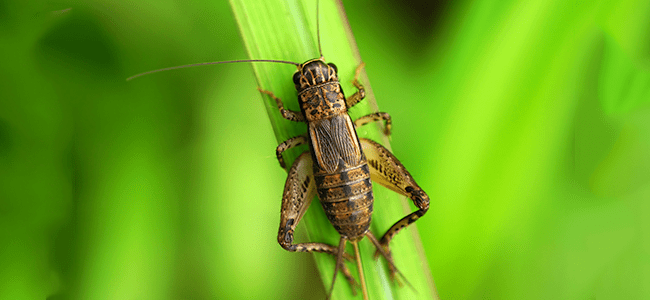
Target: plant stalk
(287, 30)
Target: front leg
(361, 91)
(287, 114)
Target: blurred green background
(527, 122)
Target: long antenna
(320, 50)
(212, 63)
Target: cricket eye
(333, 66)
(296, 78)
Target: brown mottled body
(340, 167)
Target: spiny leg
(361, 91)
(389, 258)
(299, 190)
(288, 144)
(338, 265)
(287, 114)
(378, 116)
(386, 169)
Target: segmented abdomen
(347, 199)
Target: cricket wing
(335, 140)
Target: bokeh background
(527, 122)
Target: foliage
(525, 121)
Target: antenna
(212, 63)
(320, 50)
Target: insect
(339, 166)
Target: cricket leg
(287, 114)
(339, 265)
(378, 116)
(288, 144)
(386, 170)
(361, 91)
(299, 190)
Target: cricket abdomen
(346, 197)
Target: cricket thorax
(322, 101)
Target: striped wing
(334, 140)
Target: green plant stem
(286, 30)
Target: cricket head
(314, 72)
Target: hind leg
(389, 172)
(299, 190)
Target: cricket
(339, 167)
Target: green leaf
(624, 85)
(287, 30)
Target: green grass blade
(286, 30)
